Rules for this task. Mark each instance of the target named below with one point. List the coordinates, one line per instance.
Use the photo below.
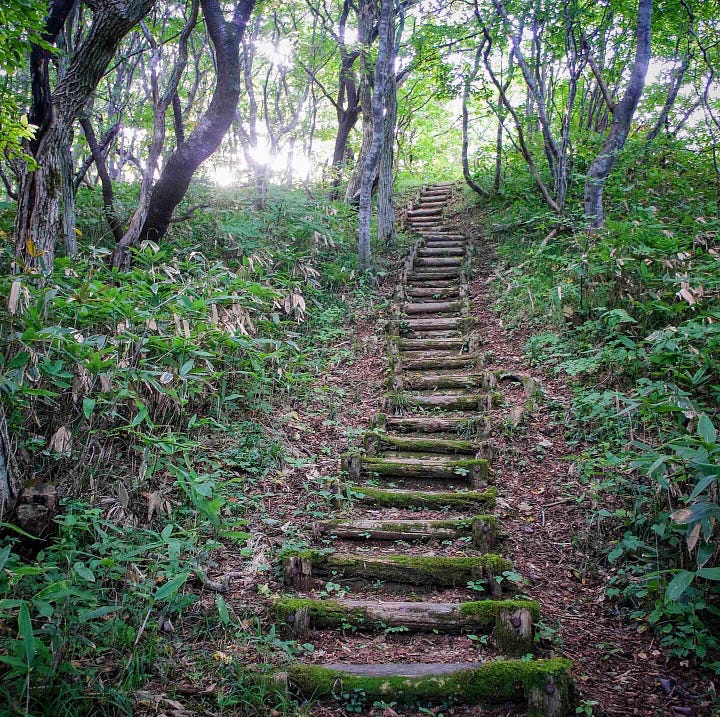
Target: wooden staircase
(414, 539)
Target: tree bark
(382, 71)
(470, 181)
(209, 132)
(603, 163)
(40, 217)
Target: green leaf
(171, 587)
(706, 430)
(222, 610)
(25, 630)
(709, 573)
(84, 572)
(4, 555)
(88, 406)
(186, 367)
(678, 585)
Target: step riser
(429, 500)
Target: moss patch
(421, 499)
(496, 681)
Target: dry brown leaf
(61, 441)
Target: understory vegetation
(159, 389)
(630, 315)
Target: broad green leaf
(706, 430)
(222, 610)
(4, 555)
(171, 587)
(25, 629)
(84, 572)
(88, 406)
(186, 367)
(709, 573)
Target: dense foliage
(631, 315)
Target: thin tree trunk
(477, 188)
(209, 132)
(385, 209)
(39, 220)
(675, 84)
(382, 70)
(603, 163)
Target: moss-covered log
(443, 250)
(490, 682)
(439, 323)
(432, 307)
(432, 500)
(449, 401)
(429, 292)
(423, 273)
(301, 566)
(472, 470)
(477, 426)
(441, 283)
(375, 442)
(481, 529)
(430, 361)
(429, 381)
(438, 261)
(481, 617)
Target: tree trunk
(477, 188)
(603, 163)
(382, 71)
(385, 209)
(11, 483)
(41, 217)
(366, 20)
(209, 132)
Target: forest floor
(618, 666)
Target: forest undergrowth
(630, 315)
(155, 402)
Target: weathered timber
(441, 251)
(432, 283)
(440, 323)
(432, 500)
(545, 685)
(444, 292)
(375, 442)
(429, 381)
(439, 261)
(428, 344)
(449, 401)
(481, 529)
(460, 425)
(301, 614)
(432, 307)
(428, 571)
(435, 211)
(474, 470)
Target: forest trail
(415, 539)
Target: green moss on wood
(421, 445)
(422, 499)
(497, 681)
(489, 609)
(406, 569)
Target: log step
(424, 283)
(441, 344)
(433, 307)
(481, 529)
(437, 361)
(457, 425)
(436, 261)
(430, 381)
(442, 250)
(301, 566)
(543, 685)
(375, 442)
(472, 470)
(433, 292)
(449, 401)
(425, 273)
(511, 621)
(431, 500)
(441, 323)
(425, 212)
